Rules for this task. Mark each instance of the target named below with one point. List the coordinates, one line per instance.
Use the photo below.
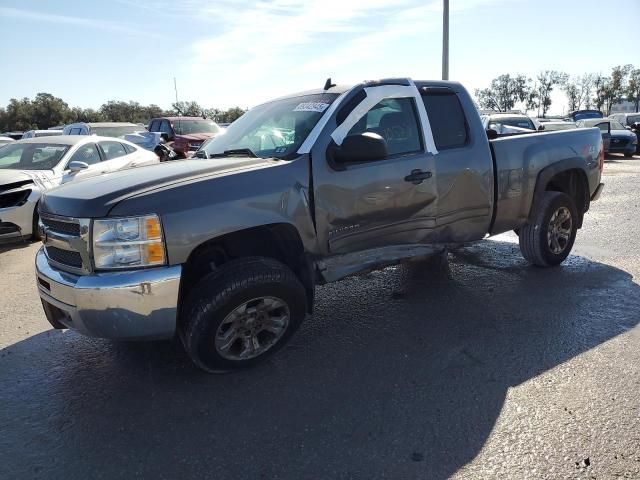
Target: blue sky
(242, 52)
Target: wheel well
(279, 241)
(575, 184)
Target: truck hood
(96, 196)
(42, 179)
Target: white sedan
(31, 166)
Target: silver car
(31, 166)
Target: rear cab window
(447, 119)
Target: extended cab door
(384, 202)
(463, 164)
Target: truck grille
(65, 241)
(64, 257)
(61, 227)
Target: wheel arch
(280, 241)
(567, 176)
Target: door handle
(417, 176)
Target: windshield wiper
(237, 152)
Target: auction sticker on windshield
(311, 107)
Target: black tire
(35, 232)
(628, 155)
(223, 291)
(534, 240)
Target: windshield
(187, 127)
(520, 122)
(116, 131)
(559, 126)
(31, 156)
(584, 115)
(274, 129)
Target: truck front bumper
(133, 305)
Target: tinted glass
(394, 119)
(116, 131)
(87, 153)
(519, 122)
(165, 127)
(112, 150)
(31, 156)
(447, 120)
(128, 148)
(631, 119)
(187, 127)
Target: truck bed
(520, 159)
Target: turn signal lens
(152, 225)
(154, 254)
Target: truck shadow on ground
(400, 373)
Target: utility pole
(175, 87)
(445, 40)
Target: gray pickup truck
(226, 250)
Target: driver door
(386, 201)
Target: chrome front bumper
(133, 305)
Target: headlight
(128, 242)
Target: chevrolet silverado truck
(226, 251)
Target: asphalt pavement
(474, 366)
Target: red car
(184, 134)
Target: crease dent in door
(372, 207)
(462, 186)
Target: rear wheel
(242, 313)
(548, 239)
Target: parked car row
(32, 166)
(619, 131)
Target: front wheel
(242, 313)
(628, 155)
(548, 239)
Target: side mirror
(364, 147)
(540, 128)
(77, 166)
(492, 134)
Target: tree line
(45, 111)
(588, 91)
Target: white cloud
(17, 13)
